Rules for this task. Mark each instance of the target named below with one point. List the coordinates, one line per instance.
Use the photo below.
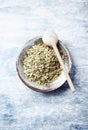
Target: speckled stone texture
(22, 108)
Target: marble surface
(20, 107)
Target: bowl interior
(50, 86)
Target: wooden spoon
(51, 39)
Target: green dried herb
(40, 64)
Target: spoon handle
(64, 68)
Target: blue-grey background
(22, 108)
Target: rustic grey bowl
(50, 86)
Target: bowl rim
(34, 88)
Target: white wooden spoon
(51, 39)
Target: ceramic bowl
(50, 86)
